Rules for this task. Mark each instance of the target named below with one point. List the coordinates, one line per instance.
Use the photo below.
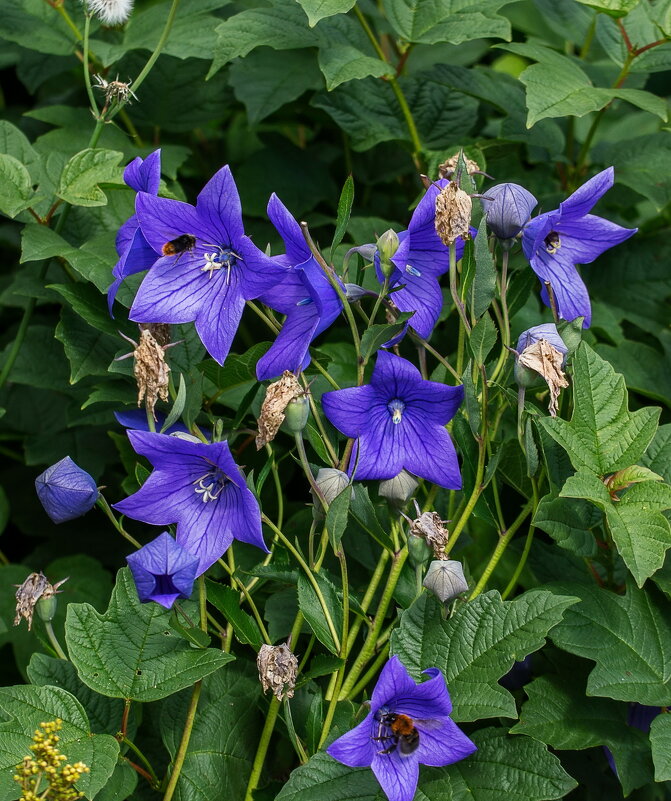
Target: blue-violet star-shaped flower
(163, 571)
(304, 295)
(209, 267)
(420, 260)
(554, 242)
(66, 491)
(546, 331)
(135, 253)
(408, 724)
(199, 487)
(399, 422)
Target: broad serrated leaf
(446, 20)
(81, 176)
(569, 523)
(658, 455)
(362, 510)
(24, 709)
(227, 601)
(375, 336)
(603, 435)
(639, 529)
(131, 651)
(239, 368)
(224, 737)
(484, 280)
(477, 645)
(318, 9)
(16, 186)
(660, 740)
(629, 638)
(88, 350)
(614, 8)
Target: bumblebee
(180, 244)
(401, 731)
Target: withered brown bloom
(150, 368)
(36, 587)
(453, 214)
(547, 361)
(278, 668)
(278, 396)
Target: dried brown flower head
(447, 168)
(160, 331)
(36, 587)
(547, 361)
(114, 90)
(453, 214)
(278, 396)
(430, 527)
(150, 369)
(278, 668)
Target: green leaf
(477, 645)
(558, 713)
(446, 20)
(35, 27)
(520, 764)
(658, 455)
(336, 517)
(177, 406)
(639, 529)
(344, 210)
(629, 638)
(557, 87)
(603, 436)
(24, 709)
(309, 605)
(318, 9)
(375, 336)
(16, 186)
(642, 366)
(660, 740)
(89, 351)
(346, 54)
(239, 368)
(363, 511)
(121, 785)
(84, 171)
(482, 339)
(224, 737)
(227, 601)
(266, 80)
(614, 8)
(569, 523)
(484, 281)
(131, 651)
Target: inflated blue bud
(508, 208)
(66, 491)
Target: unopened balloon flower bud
(400, 489)
(36, 591)
(508, 208)
(331, 482)
(419, 551)
(296, 414)
(387, 245)
(66, 491)
(278, 668)
(453, 214)
(273, 411)
(445, 579)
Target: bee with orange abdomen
(181, 244)
(401, 731)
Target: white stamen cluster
(110, 12)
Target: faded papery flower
(541, 352)
(278, 668)
(115, 90)
(208, 267)
(135, 253)
(110, 12)
(445, 579)
(163, 571)
(508, 208)
(305, 296)
(453, 214)
(199, 487)
(546, 331)
(66, 491)
(399, 421)
(408, 725)
(431, 527)
(556, 241)
(34, 590)
(419, 262)
(447, 168)
(278, 397)
(151, 371)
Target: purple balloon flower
(66, 491)
(199, 487)
(508, 208)
(399, 422)
(137, 420)
(135, 253)
(163, 571)
(556, 241)
(546, 331)
(408, 725)
(420, 260)
(209, 267)
(305, 296)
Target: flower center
(163, 585)
(210, 485)
(221, 257)
(396, 408)
(552, 242)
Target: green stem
(184, 743)
(302, 455)
(381, 294)
(68, 21)
(475, 494)
(367, 598)
(498, 551)
(142, 759)
(87, 72)
(278, 485)
(461, 310)
(316, 414)
(527, 546)
(102, 504)
(252, 605)
(372, 671)
(54, 640)
(159, 46)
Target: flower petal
(585, 197)
(296, 247)
(587, 238)
(429, 699)
(394, 682)
(218, 205)
(259, 273)
(219, 316)
(355, 748)
(163, 220)
(349, 409)
(398, 775)
(442, 743)
(437, 403)
(430, 453)
(423, 296)
(394, 376)
(144, 175)
(290, 350)
(569, 289)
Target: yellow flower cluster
(46, 763)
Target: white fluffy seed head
(110, 12)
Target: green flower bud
(445, 579)
(46, 607)
(387, 245)
(419, 551)
(296, 415)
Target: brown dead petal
(160, 332)
(447, 168)
(278, 668)
(430, 526)
(151, 371)
(546, 360)
(278, 397)
(36, 586)
(453, 214)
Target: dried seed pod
(447, 168)
(445, 579)
(546, 360)
(430, 526)
(278, 396)
(278, 668)
(453, 214)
